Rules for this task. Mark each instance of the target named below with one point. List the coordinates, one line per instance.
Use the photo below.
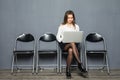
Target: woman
(69, 25)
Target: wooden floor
(51, 75)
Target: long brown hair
(69, 12)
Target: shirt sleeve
(59, 35)
(77, 28)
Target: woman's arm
(60, 34)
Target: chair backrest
(24, 42)
(95, 41)
(48, 37)
(25, 38)
(94, 37)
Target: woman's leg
(75, 51)
(69, 57)
(68, 62)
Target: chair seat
(23, 51)
(96, 51)
(47, 51)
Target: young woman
(69, 25)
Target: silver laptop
(72, 36)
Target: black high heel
(81, 68)
(68, 73)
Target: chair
(47, 38)
(22, 43)
(96, 41)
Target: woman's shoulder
(76, 25)
(61, 26)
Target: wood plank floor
(51, 75)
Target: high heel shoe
(81, 68)
(68, 73)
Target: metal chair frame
(96, 38)
(24, 38)
(47, 38)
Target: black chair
(22, 43)
(93, 40)
(47, 39)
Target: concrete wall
(40, 16)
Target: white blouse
(63, 28)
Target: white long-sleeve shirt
(63, 28)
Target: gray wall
(40, 16)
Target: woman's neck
(70, 24)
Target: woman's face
(69, 18)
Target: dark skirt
(62, 45)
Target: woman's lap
(62, 45)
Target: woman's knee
(72, 44)
(70, 51)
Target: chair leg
(12, 68)
(57, 52)
(57, 62)
(33, 63)
(37, 63)
(60, 61)
(86, 62)
(107, 63)
(81, 54)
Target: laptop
(72, 36)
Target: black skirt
(62, 45)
